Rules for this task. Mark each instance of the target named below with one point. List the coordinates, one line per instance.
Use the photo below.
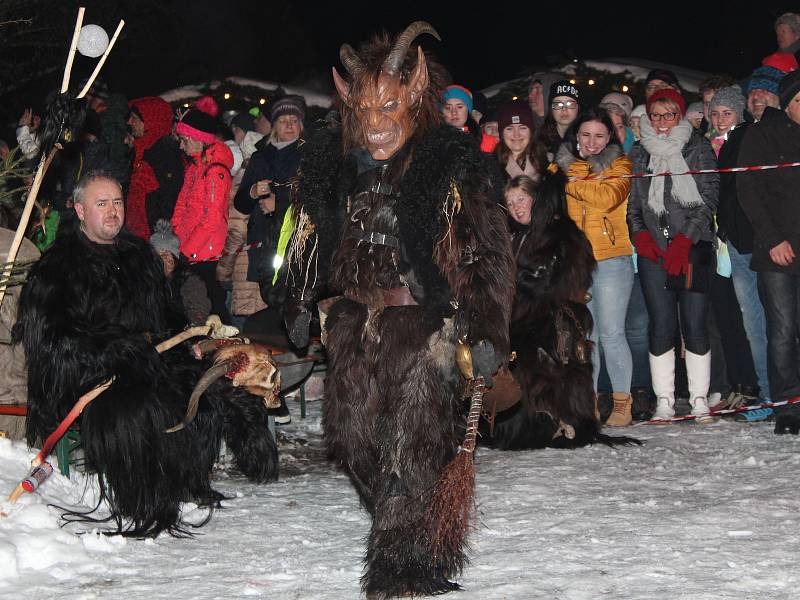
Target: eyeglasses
(568, 105)
(670, 116)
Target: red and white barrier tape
(593, 177)
(719, 413)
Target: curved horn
(393, 62)
(209, 377)
(350, 60)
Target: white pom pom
(93, 41)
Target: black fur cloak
(91, 311)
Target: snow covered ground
(698, 512)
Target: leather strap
(379, 239)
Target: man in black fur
(400, 215)
(91, 309)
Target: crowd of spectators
(695, 274)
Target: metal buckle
(381, 188)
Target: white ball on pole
(93, 41)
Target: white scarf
(665, 156)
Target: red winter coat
(201, 213)
(157, 116)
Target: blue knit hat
(458, 92)
(765, 78)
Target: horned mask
(385, 100)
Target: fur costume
(419, 248)
(90, 311)
(550, 327)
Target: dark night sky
(297, 42)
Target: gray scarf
(665, 156)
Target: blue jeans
(781, 293)
(636, 328)
(745, 284)
(663, 307)
(611, 291)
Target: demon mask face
(385, 100)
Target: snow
(699, 512)
(637, 69)
(189, 92)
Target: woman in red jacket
(200, 219)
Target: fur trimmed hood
(597, 163)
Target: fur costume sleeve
(471, 242)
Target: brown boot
(621, 415)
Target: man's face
(565, 110)
(263, 126)
(785, 36)
(654, 86)
(536, 99)
(287, 128)
(102, 211)
(384, 116)
(136, 124)
(793, 110)
(707, 96)
(758, 100)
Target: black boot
(643, 404)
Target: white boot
(662, 374)
(698, 375)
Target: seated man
(90, 311)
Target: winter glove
(297, 319)
(485, 361)
(646, 246)
(677, 259)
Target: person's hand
(646, 246)
(485, 361)
(260, 188)
(782, 254)
(27, 118)
(267, 205)
(677, 260)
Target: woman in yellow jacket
(599, 207)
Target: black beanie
(789, 87)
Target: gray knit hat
(731, 97)
(616, 99)
(163, 239)
(288, 105)
(790, 19)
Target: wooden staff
(102, 61)
(72, 49)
